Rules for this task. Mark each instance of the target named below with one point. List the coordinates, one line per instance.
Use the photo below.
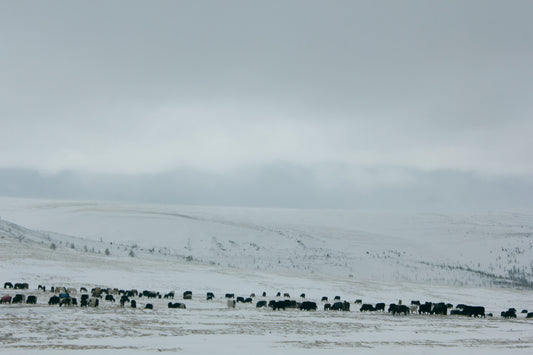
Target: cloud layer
(378, 93)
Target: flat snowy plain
(376, 257)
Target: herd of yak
(63, 296)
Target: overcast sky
(340, 104)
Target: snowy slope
(377, 257)
(479, 250)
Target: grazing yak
(470, 311)
(261, 304)
(324, 299)
(84, 301)
(65, 301)
(31, 299)
(529, 315)
(510, 313)
(123, 300)
(210, 296)
(96, 292)
(110, 298)
(367, 308)
(133, 304)
(278, 305)
(8, 285)
(169, 295)
(5, 299)
(149, 294)
(132, 293)
(425, 308)
(149, 306)
(240, 299)
(440, 308)
(398, 309)
(18, 299)
(176, 305)
(21, 286)
(93, 302)
(380, 307)
(302, 295)
(230, 295)
(341, 306)
(308, 306)
(53, 300)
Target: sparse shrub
(53, 246)
(107, 252)
(132, 254)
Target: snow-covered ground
(376, 257)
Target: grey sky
(362, 97)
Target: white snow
(374, 256)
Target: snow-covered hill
(377, 257)
(493, 249)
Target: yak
(110, 298)
(510, 313)
(261, 304)
(53, 300)
(367, 308)
(341, 306)
(18, 299)
(308, 306)
(440, 308)
(401, 309)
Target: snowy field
(376, 257)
